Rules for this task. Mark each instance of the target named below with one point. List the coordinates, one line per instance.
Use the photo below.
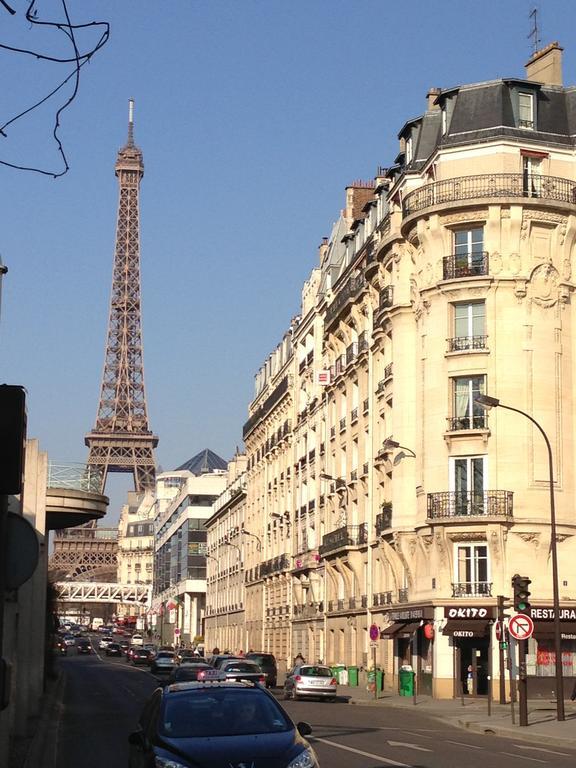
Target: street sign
(521, 626)
(374, 632)
(498, 630)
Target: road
(103, 698)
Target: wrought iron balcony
(471, 504)
(466, 343)
(472, 589)
(276, 564)
(489, 185)
(347, 536)
(403, 595)
(459, 423)
(349, 290)
(384, 518)
(386, 299)
(465, 265)
(382, 598)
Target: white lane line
(463, 744)
(360, 752)
(524, 757)
(409, 746)
(418, 735)
(542, 749)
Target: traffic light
(520, 586)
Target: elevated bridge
(103, 592)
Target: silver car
(163, 662)
(311, 681)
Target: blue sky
(253, 116)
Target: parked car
(113, 649)
(243, 669)
(267, 663)
(311, 681)
(139, 656)
(218, 724)
(163, 663)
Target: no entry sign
(521, 626)
(374, 632)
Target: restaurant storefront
(412, 632)
(541, 658)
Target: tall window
(409, 150)
(469, 326)
(472, 571)
(526, 110)
(531, 176)
(468, 481)
(466, 413)
(469, 252)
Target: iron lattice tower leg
(121, 440)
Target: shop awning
(466, 628)
(544, 630)
(400, 629)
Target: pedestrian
(299, 660)
(215, 651)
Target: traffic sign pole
(501, 667)
(522, 683)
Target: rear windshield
(240, 666)
(316, 671)
(221, 712)
(261, 658)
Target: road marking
(523, 757)
(463, 744)
(542, 749)
(360, 752)
(418, 735)
(409, 746)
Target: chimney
(545, 66)
(431, 96)
(357, 195)
(323, 249)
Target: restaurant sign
(468, 612)
(547, 614)
(411, 614)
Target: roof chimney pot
(545, 66)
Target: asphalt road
(103, 698)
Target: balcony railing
(384, 518)
(363, 342)
(403, 595)
(382, 598)
(276, 564)
(472, 589)
(75, 477)
(386, 299)
(471, 504)
(489, 185)
(465, 265)
(347, 536)
(351, 288)
(459, 423)
(466, 343)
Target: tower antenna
(535, 31)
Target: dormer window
(408, 150)
(526, 111)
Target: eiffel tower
(121, 440)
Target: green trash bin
(353, 676)
(406, 682)
(379, 679)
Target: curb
(515, 732)
(42, 748)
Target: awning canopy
(466, 628)
(544, 630)
(400, 629)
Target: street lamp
(488, 402)
(340, 487)
(389, 445)
(247, 533)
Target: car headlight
(306, 759)
(163, 762)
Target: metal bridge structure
(103, 592)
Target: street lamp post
(340, 487)
(488, 402)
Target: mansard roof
(204, 462)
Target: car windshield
(312, 671)
(221, 712)
(261, 659)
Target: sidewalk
(542, 727)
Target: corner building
(410, 507)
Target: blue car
(216, 724)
